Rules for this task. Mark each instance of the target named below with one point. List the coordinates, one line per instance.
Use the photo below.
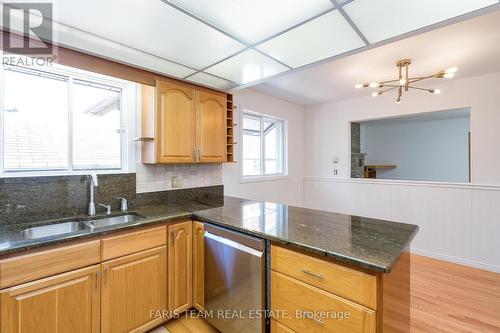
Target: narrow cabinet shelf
(230, 129)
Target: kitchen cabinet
(198, 265)
(176, 120)
(67, 302)
(180, 266)
(316, 291)
(191, 124)
(132, 287)
(211, 127)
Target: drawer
(312, 310)
(42, 263)
(348, 283)
(133, 241)
(277, 327)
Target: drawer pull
(316, 275)
(310, 315)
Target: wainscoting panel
(458, 223)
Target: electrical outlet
(335, 172)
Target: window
(59, 120)
(263, 151)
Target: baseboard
(456, 260)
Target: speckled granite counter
(369, 243)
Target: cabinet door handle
(106, 277)
(316, 275)
(96, 280)
(172, 237)
(195, 155)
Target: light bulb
(398, 101)
(449, 75)
(451, 70)
(402, 82)
(358, 86)
(375, 94)
(374, 84)
(436, 91)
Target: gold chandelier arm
(421, 78)
(389, 89)
(423, 89)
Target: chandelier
(404, 82)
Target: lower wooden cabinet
(198, 265)
(180, 266)
(132, 287)
(67, 302)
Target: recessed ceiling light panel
(323, 37)
(384, 19)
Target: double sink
(70, 227)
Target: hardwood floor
(445, 298)
(451, 298)
(189, 324)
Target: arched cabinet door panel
(198, 265)
(176, 123)
(180, 266)
(211, 123)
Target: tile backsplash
(153, 178)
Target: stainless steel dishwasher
(235, 288)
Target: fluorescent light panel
(211, 81)
(253, 20)
(321, 38)
(247, 66)
(383, 19)
(151, 26)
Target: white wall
(434, 150)
(457, 223)
(288, 190)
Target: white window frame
(128, 110)
(284, 152)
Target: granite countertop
(368, 243)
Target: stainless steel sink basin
(109, 221)
(56, 229)
(74, 227)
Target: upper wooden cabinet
(211, 127)
(176, 120)
(67, 302)
(190, 124)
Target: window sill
(257, 179)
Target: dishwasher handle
(233, 244)
(238, 237)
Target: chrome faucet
(108, 208)
(92, 184)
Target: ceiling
(471, 45)
(226, 43)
